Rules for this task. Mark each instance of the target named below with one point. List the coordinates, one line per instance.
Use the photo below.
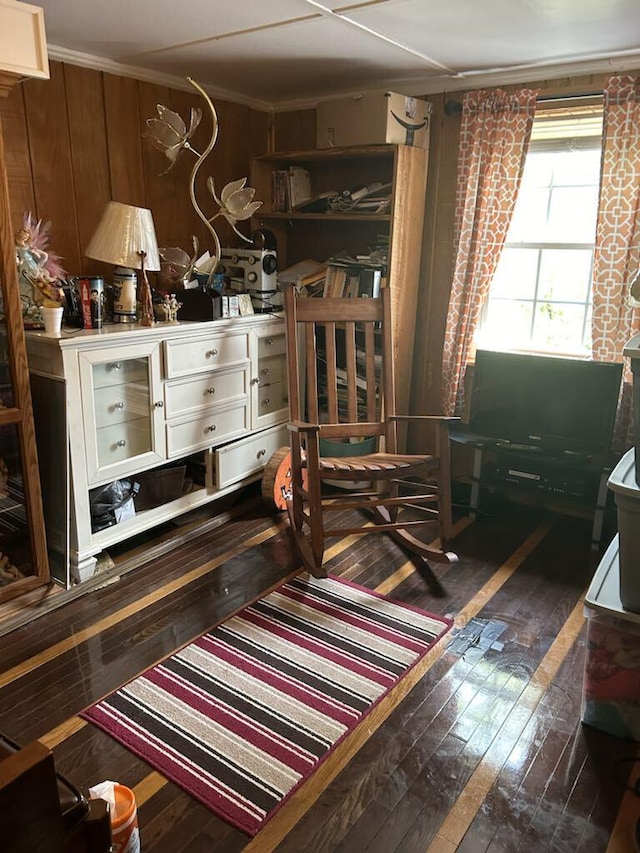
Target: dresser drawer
(195, 355)
(210, 389)
(212, 428)
(120, 403)
(249, 455)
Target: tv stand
(571, 477)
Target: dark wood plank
(16, 153)
(89, 157)
(50, 147)
(124, 139)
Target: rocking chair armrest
(302, 426)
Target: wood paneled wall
(76, 141)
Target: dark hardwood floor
(482, 748)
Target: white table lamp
(126, 238)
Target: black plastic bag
(105, 500)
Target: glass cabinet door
(24, 562)
(123, 410)
(270, 379)
(17, 567)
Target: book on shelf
(314, 204)
(280, 191)
(352, 280)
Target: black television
(560, 405)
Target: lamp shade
(123, 232)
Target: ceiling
(287, 53)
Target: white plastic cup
(52, 319)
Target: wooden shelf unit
(321, 235)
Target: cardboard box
(374, 119)
(611, 686)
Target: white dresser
(113, 403)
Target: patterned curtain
(617, 252)
(494, 139)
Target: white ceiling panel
(469, 36)
(120, 29)
(321, 57)
(282, 53)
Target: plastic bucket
(124, 821)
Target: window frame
(589, 141)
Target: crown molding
(436, 84)
(617, 63)
(431, 85)
(146, 75)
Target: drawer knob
(119, 406)
(265, 371)
(256, 381)
(159, 404)
(121, 443)
(268, 341)
(116, 365)
(211, 390)
(261, 453)
(210, 353)
(211, 428)
(266, 402)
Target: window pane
(558, 327)
(572, 215)
(538, 169)
(577, 167)
(540, 296)
(507, 324)
(565, 274)
(515, 275)
(529, 222)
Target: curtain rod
(583, 96)
(453, 107)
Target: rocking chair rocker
(340, 361)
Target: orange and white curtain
(494, 139)
(617, 251)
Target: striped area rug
(242, 716)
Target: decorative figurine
(39, 270)
(175, 306)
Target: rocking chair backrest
(340, 365)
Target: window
(540, 297)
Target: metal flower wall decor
(168, 132)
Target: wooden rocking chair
(340, 361)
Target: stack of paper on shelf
(307, 276)
(375, 198)
(299, 186)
